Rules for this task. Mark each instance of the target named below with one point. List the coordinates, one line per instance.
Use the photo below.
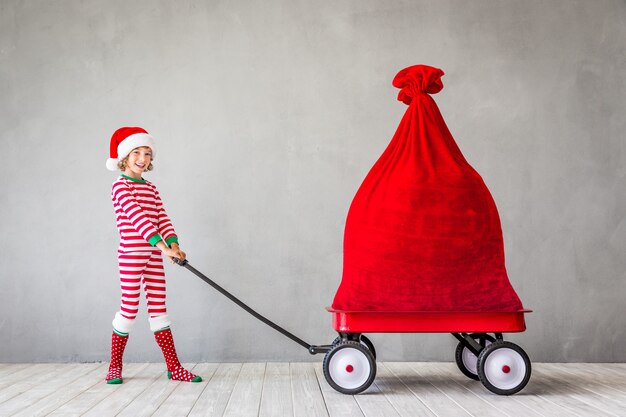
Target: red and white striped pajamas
(142, 223)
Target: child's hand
(173, 252)
(178, 253)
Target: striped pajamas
(139, 269)
(142, 223)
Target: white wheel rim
(505, 368)
(349, 368)
(470, 360)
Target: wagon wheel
(466, 360)
(365, 341)
(349, 367)
(503, 368)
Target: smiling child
(146, 232)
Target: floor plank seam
(200, 395)
(358, 404)
(195, 401)
(484, 398)
(519, 401)
(77, 395)
(442, 392)
(156, 410)
(117, 387)
(51, 393)
(258, 413)
(567, 384)
(432, 385)
(381, 392)
(566, 409)
(258, 410)
(19, 393)
(581, 387)
(408, 388)
(230, 395)
(138, 394)
(293, 400)
(319, 386)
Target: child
(145, 232)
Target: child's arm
(166, 228)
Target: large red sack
(423, 232)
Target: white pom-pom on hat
(124, 140)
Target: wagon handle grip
(179, 262)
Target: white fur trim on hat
(122, 324)
(159, 322)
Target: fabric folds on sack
(423, 231)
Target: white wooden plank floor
(299, 389)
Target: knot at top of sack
(417, 79)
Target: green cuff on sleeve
(170, 240)
(155, 239)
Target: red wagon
(503, 367)
(424, 252)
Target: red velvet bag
(423, 232)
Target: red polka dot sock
(118, 343)
(175, 370)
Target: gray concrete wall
(268, 115)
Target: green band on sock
(117, 332)
(162, 330)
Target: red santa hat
(124, 140)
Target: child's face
(139, 159)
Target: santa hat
(124, 140)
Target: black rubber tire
(482, 371)
(458, 355)
(370, 360)
(364, 341)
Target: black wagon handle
(311, 348)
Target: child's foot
(181, 374)
(114, 376)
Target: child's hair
(123, 164)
